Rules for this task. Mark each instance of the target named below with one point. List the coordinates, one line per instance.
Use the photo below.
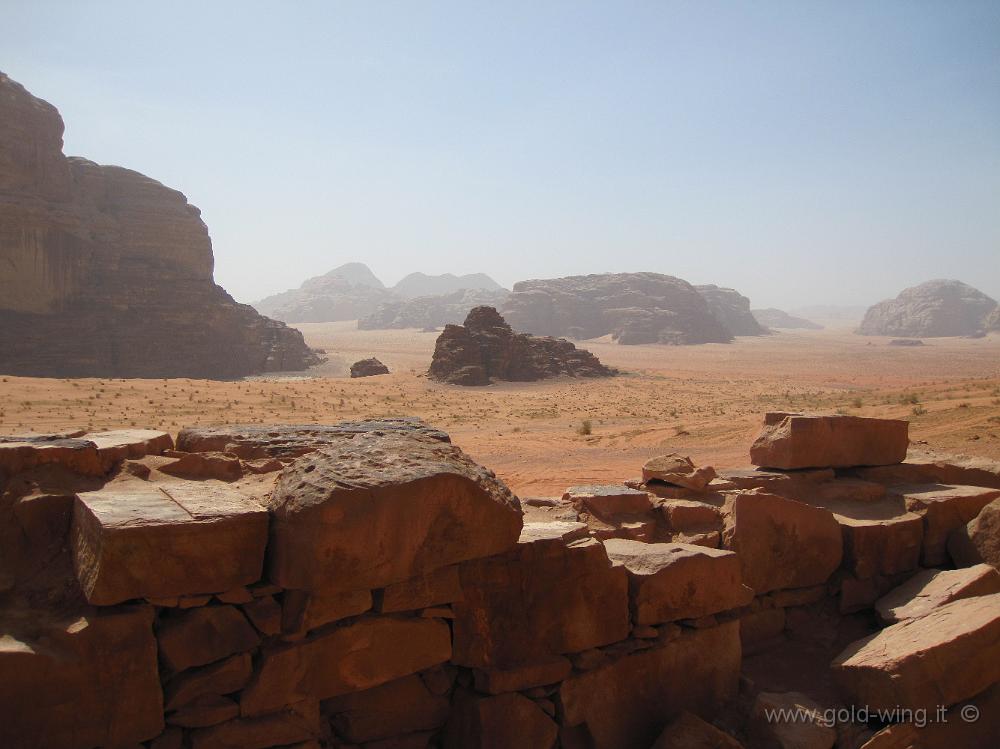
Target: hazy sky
(801, 152)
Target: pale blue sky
(801, 152)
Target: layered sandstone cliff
(631, 307)
(107, 272)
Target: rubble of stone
(368, 368)
(486, 349)
(108, 273)
(368, 585)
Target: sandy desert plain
(704, 401)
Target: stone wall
(367, 584)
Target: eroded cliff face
(106, 272)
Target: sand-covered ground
(705, 401)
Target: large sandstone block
(362, 655)
(19, 454)
(556, 592)
(121, 444)
(299, 722)
(629, 702)
(397, 707)
(979, 539)
(668, 582)
(505, 721)
(930, 589)
(203, 635)
(944, 508)
(84, 682)
(142, 540)
(949, 655)
(688, 731)
(437, 587)
(608, 500)
(782, 543)
(380, 509)
(790, 441)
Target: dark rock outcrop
(632, 307)
(346, 293)
(486, 349)
(421, 285)
(368, 368)
(777, 318)
(431, 311)
(109, 273)
(931, 310)
(732, 309)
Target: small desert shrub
(585, 428)
(857, 403)
(919, 411)
(963, 405)
(908, 398)
(680, 431)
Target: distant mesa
(776, 318)
(486, 349)
(421, 285)
(934, 309)
(431, 312)
(353, 292)
(633, 308)
(108, 273)
(732, 309)
(831, 315)
(368, 368)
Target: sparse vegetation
(585, 428)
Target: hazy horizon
(803, 154)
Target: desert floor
(703, 401)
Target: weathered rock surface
(392, 709)
(679, 470)
(773, 713)
(348, 659)
(668, 582)
(89, 680)
(426, 312)
(979, 539)
(732, 309)
(944, 508)
(928, 468)
(285, 441)
(930, 589)
(382, 508)
(688, 731)
(503, 721)
(348, 292)
(419, 284)
(629, 702)
(608, 500)
(951, 654)
(202, 635)
(776, 318)
(632, 307)
(554, 593)
(368, 368)
(790, 441)
(782, 543)
(485, 348)
(133, 539)
(932, 309)
(109, 273)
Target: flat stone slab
(790, 441)
(122, 444)
(944, 657)
(979, 539)
(19, 454)
(144, 540)
(944, 508)
(673, 581)
(608, 500)
(931, 589)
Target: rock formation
(931, 310)
(368, 368)
(368, 584)
(776, 318)
(108, 273)
(348, 292)
(632, 307)
(430, 312)
(353, 292)
(487, 349)
(992, 323)
(732, 309)
(422, 285)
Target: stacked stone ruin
(368, 585)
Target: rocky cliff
(632, 307)
(732, 309)
(108, 273)
(420, 284)
(777, 318)
(348, 292)
(431, 311)
(931, 310)
(487, 349)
